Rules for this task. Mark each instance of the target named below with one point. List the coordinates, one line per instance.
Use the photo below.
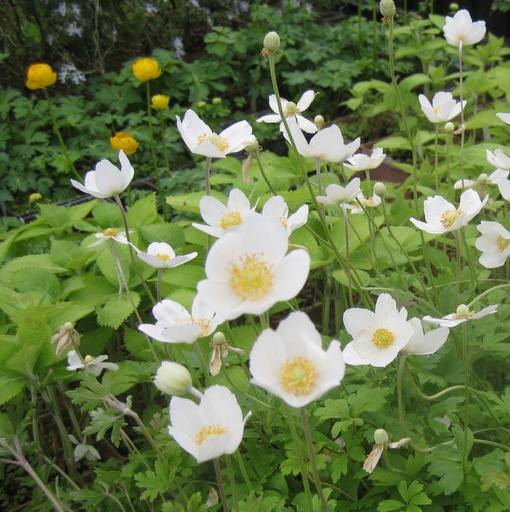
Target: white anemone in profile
(336, 194)
(365, 202)
(504, 116)
(497, 177)
(161, 255)
(494, 244)
(463, 314)
(462, 30)
(362, 162)
(221, 218)
(424, 344)
(209, 429)
(175, 325)
(107, 180)
(277, 208)
(248, 270)
(443, 108)
(201, 140)
(291, 110)
(291, 363)
(377, 336)
(94, 365)
(441, 216)
(498, 159)
(327, 145)
(110, 234)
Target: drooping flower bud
(272, 42)
(319, 122)
(173, 379)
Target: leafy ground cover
(265, 332)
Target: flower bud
(201, 104)
(482, 179)
(272, 42)
(381, 436)
(39, 76)
(380, 189)
(146, 69)
(449, 127)
(173, 379)
(454, 6)
(33, 198)
(319, 122)
(462, 310)
(123, 140)
(159, 101)
(217, 101)
(387, 8)
(218, 338)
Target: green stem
(59, 136)
(232, 483)
(461, 92)
(203, 363)
(459, 268)
(297, 443)
(158, 286)
(131, 250)
(312, 456)
(163, 141)
(465, 357)
(242, 467)
(153, 150)
(208, 175)
(221, 487)
(264, 175)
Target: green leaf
(190, 202)
(155, 483)
(37, 279)
(117, 309)
(108, 215)
(104, 420)
(10, 386)
(143, 212)
(388, 505)
(164, 232)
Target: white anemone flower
(462, 30)
(248, 270)
(161, 255)
(378, 336)
(366, 202)
(110, 234)
(443, 107)
(107, 180)
(291, 110)
(463, 314)
(221, 218)
(336, 194)
(291, 363)
(201, 140)
(209, 429)
(441, 216)
(83, 450)
(175, 325)
(494, 244)
(362, 162)
(497, 177)
(93, 364)
(504, 116)
(424, 344)
(498, 159)
(328, 144)
(277, 208)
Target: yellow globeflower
(146, 69)
(39, 76)
(160, 101)
(123, 140)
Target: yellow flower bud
(146, 69)
(159, 101)
(33, 198)
(123, 140)
(39, 76)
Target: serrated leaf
(164, 232)
(108, 215)
(104, 420)
(143, 212)
(10, 386)
(37, 279)
(190, 202)
(117, 309)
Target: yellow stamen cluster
(383, 338)
(467, 316)
(220, 142)
(502, 243)
(251, 277)
(164, 257)
(204, 324)
(110, 232)
(209, 431)
(436, 110)
(230, 219)
(449, 217)
(298, 375)
(89, 359)
(283, 220)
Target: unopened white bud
(272, 42)
(319, 122)
(173, 379)
(449, 127)
(380, 189)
